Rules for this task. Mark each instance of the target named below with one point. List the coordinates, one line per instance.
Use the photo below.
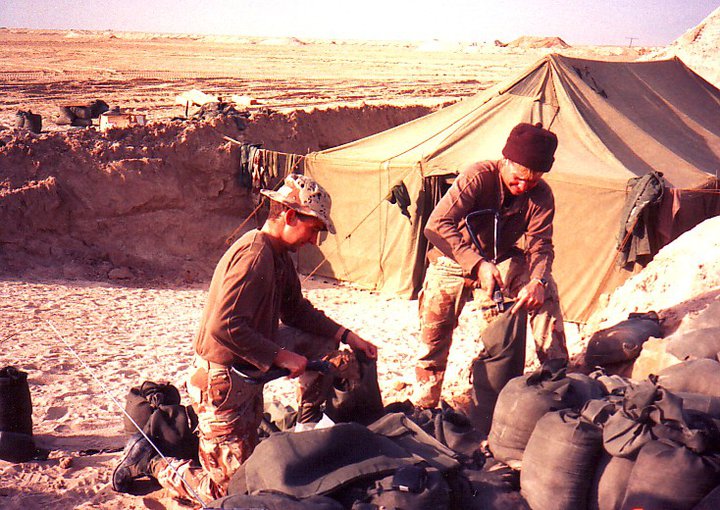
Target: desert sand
(127, 322)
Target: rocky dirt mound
(682, 280)
(153, 201)
(699, 48)
(527, 41)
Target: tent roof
(624, 119)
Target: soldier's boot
(428, 387)
(136, 462)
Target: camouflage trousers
(229, 412)
(442, 299)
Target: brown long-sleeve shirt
(252, 289)
(480, 187)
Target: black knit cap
(531, 146)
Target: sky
(578, 22)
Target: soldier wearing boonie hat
(519, 263)
(305, 196)
(254, 286)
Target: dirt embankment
(153, 201)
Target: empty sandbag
(609, 485)
(559, 461)
(670, 476)
(692, 376)
(623, 341)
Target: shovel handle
(252, 375)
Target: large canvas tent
(614, 120)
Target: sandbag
(28, 120)
(16, 435)
(363, 402)
(646, 412)
(711, 501)
(559, 461)
(693, 376)
(502, 359)
(15, 402)
(521, 403)
(607, 490)
(612, 384)
(670, 476)
(274, 501)
(623, 341)
(701, 403)
(696, 344)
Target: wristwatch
(542, 281)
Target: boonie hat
(305, 196)
(531, 146)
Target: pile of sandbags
(606, 442)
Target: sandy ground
(126, 334)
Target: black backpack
(157, 411)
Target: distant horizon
(579, 23)
(301, 39)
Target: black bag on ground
(363, 402)
(156, 409)
(415, 486)
(16, 436)
(608, 487)
(522, 402)
(452, 428)
(502, 359)
(694, 376)
(343, 461)
(495, 487)
(559, 461)
(274, 501)
(623, 341)
(15, 402)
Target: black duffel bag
(157, 411)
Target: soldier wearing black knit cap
(519, 263)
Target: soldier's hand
(292, 361)
(531, 295)
(358, 344)
(488, 276)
